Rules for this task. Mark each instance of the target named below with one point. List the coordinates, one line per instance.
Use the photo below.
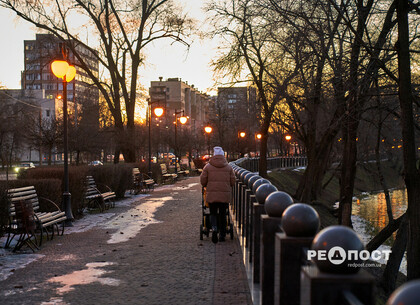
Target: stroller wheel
(201, 232)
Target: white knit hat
(218, 151)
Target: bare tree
(44, 133)
(252, 56)
(12, 118)
(411, 170)
(124, 30)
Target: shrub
(77, 176)
(119, 177)
(47, 188)
(156, 172)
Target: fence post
(300, 223)
(262, 190)
(330, 280)
(275, 204)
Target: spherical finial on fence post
(252, 180)
(407, 294)
(247, 177)
(299, 220)
(239, 172)
(243, 174)
(276, 203)
(341, 249)
(258, 183)
(263, 191)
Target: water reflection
(372, 207)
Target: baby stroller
(205, 226)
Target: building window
(32, 66)
(47, 76)
(33, 76)
(231, 102)
(49, 86)
(34, 87)
(47, 113)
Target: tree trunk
(310, 186)
(49, 155)
(389, 278)
(411, 173)
(348, 171)
(263, 146)
(117, 154)
(384, 234)
(262, 166)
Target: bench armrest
(146, 177)
(50, 202)
(104, 185)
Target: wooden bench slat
(92, 193)
(43, 220)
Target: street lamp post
(182, 119)
(208, 130)
(62, 69)
(241, 135)
(158, 112)
(258, 137)
(288, 138)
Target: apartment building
(174, 94)
(37, 75)
(238, 103)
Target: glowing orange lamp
(158, 111)
(183, 120)
(208, 129)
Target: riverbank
(367, 181)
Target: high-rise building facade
(39, 54)
(238, 103)
(174, 94)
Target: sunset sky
(163, 60)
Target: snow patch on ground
(129, 224)
(92, 274)
(9, 261)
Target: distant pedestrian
(218, 178)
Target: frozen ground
(138, 217)
(125, 225)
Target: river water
(372, 208)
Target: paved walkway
(144, 251)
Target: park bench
(165, 174)
(25, 219)
(94, 198)
(141, 182)
(195, 169)
(180, 171)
